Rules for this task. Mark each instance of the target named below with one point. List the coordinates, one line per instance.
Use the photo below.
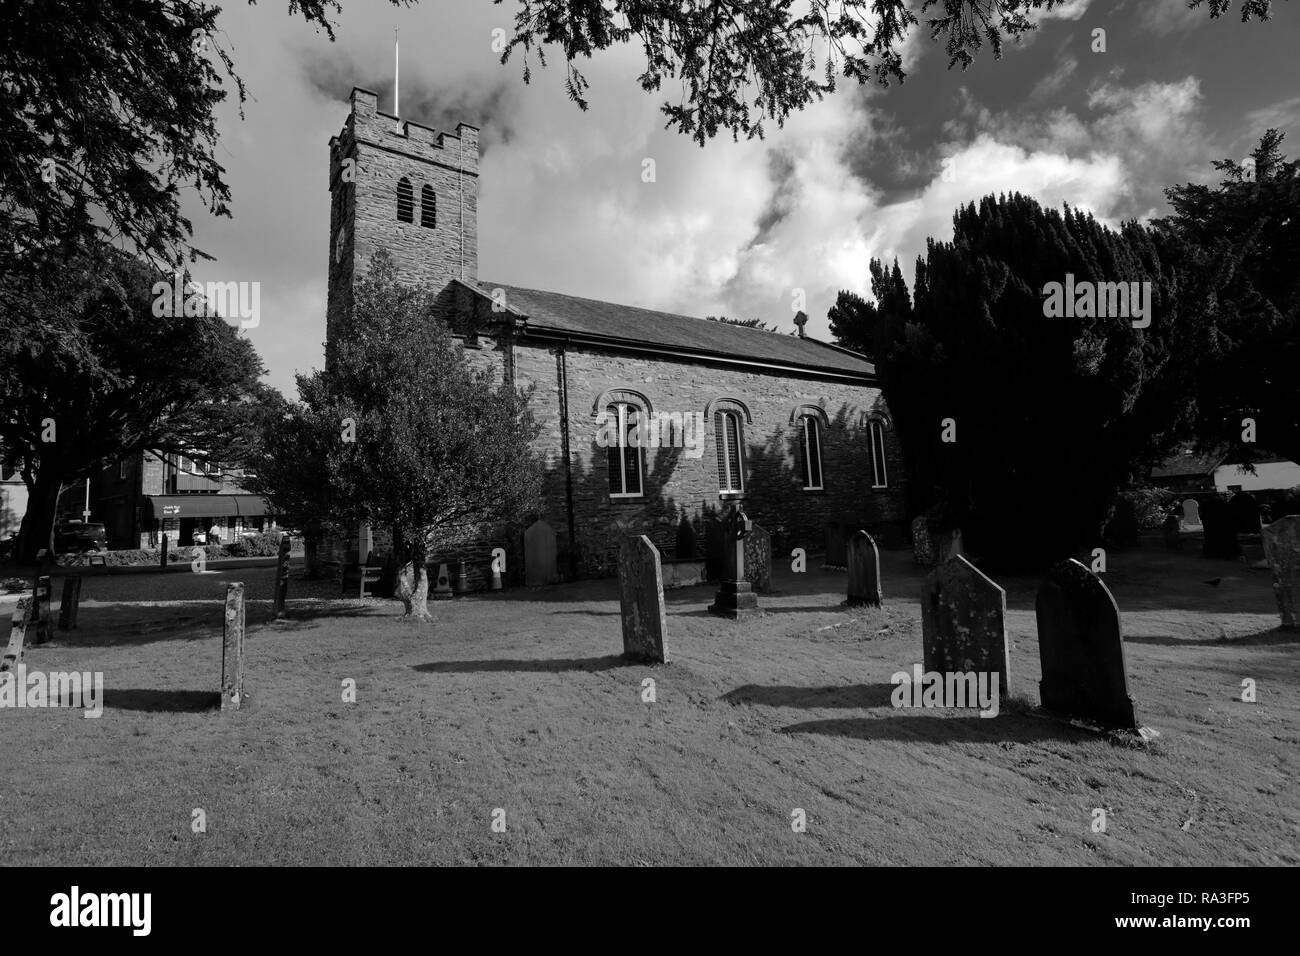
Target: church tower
(403, 187)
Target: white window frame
(735, 484)
(879, 469)
(623, 408)
(812, 437)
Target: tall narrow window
(879, 478)
(428, 207)
(812, 453)
(624, 457)
(405, 201)
(726, 432)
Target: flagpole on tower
(397, 77)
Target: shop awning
(206, 506)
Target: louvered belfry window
(812, 453)
(726, 432)
(405, 201)
(428, 207)
(624, 462)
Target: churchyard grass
(521, 701)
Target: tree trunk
(413, 580)
(37, 529)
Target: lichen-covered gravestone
(758, 558)
(922, 546)
(641, 597)
(539, 554)
(864, 570)
(963, 623)
(1082, 648)
(1282, 548)
(1191, 514)
(835, 556)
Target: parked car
(75, 537)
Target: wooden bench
(356, 578)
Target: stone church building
(793, 429)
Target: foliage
(743, 323)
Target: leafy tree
(1246, 348)
(1051, 416)
(97, 376)
(440, 445)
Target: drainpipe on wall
(568, 465)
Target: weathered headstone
(442, 584)
(13, 655)
(641, 598)
(963, 623)
(539, 554)
(1170, 529)
(735, 599)
(1191, 514)
(462, 578)
(232, 649)
(70, 602)
(1245, 512)
(42, 628)
(1081, 647)
(864, 570)
(758, 558)
(1219, 537)
(835, 554)
(685, 547)
(1282, 549)
(922, 546)
(715, 550)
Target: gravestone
(758, 558)
(864, 570)
(1170, 529)
(442, 584)
(1219, 537)
(1245, 512)
(684, 549)
(922, 546)
(735, 598)
(835, 554)
(70, 603)
(715, 550)
(641, 598)
(539, 554)
(232, 649)
(42, 628)
(1081, 648)
(281, 578)
(963, 623)
(1282, 549)
(1191, 514)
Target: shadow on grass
(842, 695)
(171, 701)
(543, 666)
(925, 728)
(1274, 635)
(164, 624)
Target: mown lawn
(521, 702)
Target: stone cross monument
(735, 599)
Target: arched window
(405, 201)
(727, 434)
(879, 477)
(428, 207)
(623, 454)
(810, 446)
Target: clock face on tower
(339, 240)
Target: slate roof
(1180, 463)
(567, 313)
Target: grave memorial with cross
(735, 598)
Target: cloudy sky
(728, 229)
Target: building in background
(13, 503)
(139, 499)
(1191, 470)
